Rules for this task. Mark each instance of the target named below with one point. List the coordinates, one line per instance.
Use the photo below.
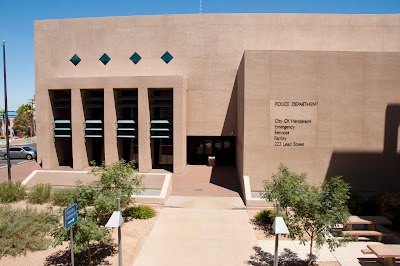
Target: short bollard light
(115, 221)
(279, 228)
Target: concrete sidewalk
(20, 171)
(200, 231)
(349, 255)
(217, 231)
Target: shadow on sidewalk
(287, 257)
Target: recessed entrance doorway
(200, 148)
(199, 178)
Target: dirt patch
(134, 234)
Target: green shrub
(39, 194)
(25, 229)
(62, 196)
(140, 212)
(10, 192)
(390, 207)
(265, 217)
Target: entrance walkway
(205, 181)
(200, 231)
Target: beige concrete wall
(240, 78)
(145, 164)
(353, 130)
(207, 49)
(179, 128)
(110, 127)
(79, 153)
(353, 88)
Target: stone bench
(367, 251)
(386, 253)
(368, 233)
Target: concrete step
(216, 203)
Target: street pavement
(20, 168)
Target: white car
(19, 153)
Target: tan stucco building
(320, 93)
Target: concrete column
(110, 127)
(179, 128)
(79, 154)
(47, 149)
(145, 164)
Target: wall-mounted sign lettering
(293, 123)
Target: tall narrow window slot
(93, 108)
(161, 128)
(62, 133)
(126, 107)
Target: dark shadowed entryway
(221, 147)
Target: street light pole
(6, 111)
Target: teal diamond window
(75, 60)
(135, 58)
(105, 59)
(167, 57)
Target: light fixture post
(276, 236)
(280, 228)
(119, 235)
(6, 113)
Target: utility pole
(6, 111)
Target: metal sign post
(71, 218)
(71, 237)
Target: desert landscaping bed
(263, 235)
(134, 234)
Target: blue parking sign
(70, 216)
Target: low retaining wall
(250, 199)
(59, 178)
(157, 187)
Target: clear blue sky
(17, 16)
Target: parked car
(19, 153)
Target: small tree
(119, 180)
(23, 122)
(3, 121)
(97, 201)
(312, 211)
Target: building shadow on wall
(368, 171)
(229, 127)
(226, 176)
